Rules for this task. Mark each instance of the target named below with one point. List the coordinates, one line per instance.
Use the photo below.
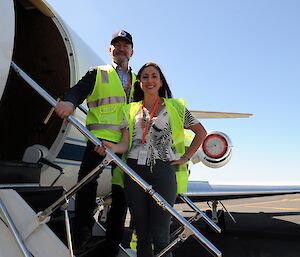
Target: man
(106, 88)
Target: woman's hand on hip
(182, 160)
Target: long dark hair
(164, 91)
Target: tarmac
(265, 227)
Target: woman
(153, 137)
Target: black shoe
(82, 240)
(110, 249)
(93, 247)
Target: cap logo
(122, 33)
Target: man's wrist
(71, 104)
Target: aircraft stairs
(37, 234)
(21, 197)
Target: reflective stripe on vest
(174, 108)
(107, 100)
(104, 76)
(103, 126)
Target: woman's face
(150, 81)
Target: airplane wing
(200, 191)
(219, 115)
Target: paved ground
(266, 227)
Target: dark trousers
(85, 205)
(152, 224)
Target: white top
(158, 141)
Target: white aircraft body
(36, 39)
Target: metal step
(39, 198)
(40, 241)
(19, 172)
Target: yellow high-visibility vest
(105, 104)
(176, 110)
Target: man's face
(121, 51)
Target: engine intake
(216, 150)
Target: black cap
(121, 34)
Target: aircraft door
(7, 28)
(34, 41)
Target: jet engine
(216, 150)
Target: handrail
(13, 230)
(110, 156)
(190, 203)
(68, 228)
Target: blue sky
(234, 55)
